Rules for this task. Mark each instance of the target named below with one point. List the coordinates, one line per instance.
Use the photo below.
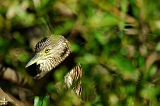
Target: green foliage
(119, 55)
(41, 102)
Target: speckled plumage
(72, 79)
(50, 52)
(59, 49)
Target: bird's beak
(35, 59)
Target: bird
(50, 52)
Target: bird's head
(50, 52)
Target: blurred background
(117, 44)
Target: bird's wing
(73, 79)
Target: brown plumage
(72, 79)
(50, 52)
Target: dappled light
(108, 53)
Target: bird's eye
(47, 50)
